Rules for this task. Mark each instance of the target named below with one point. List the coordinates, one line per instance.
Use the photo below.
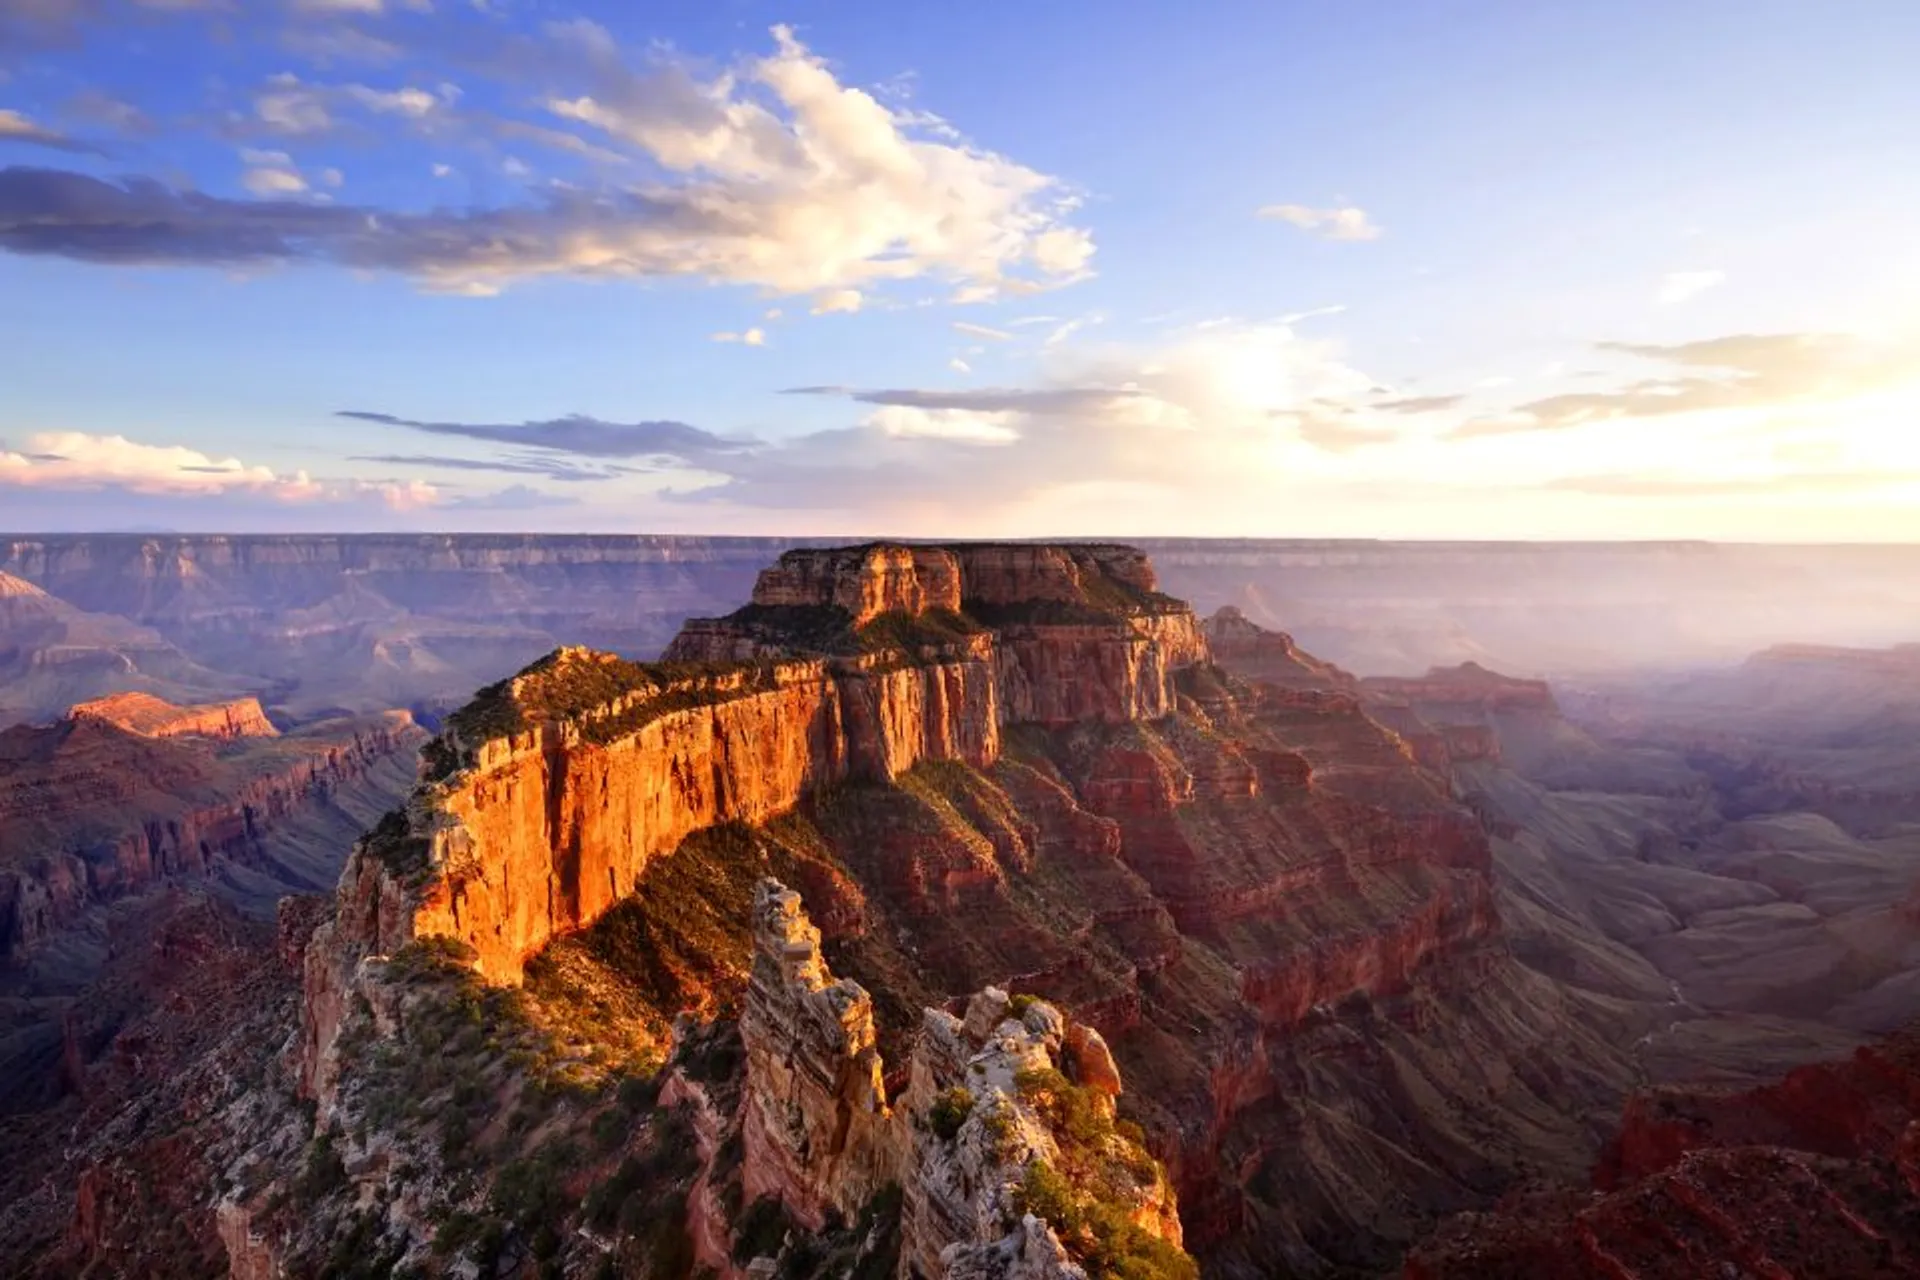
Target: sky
(1264, 268)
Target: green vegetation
(1089, 1199)
(949, 1111)
(568, 684)
(405, 855)
(531, 1135)
(1099, 1234)
(897, 629)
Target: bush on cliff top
(1089, 1200)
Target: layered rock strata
(94, 811)
(558, 787)
(152, 717)
(1282, 923)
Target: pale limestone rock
(818, 1132)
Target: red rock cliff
(153, 717)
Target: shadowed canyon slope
(1816, 1175)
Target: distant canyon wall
(484, 605)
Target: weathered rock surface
(818, 1131)
(820, 1136)
(152, 717)
(53, 655)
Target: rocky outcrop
(1467, 685)
(1237, 884)
(818, 1133)
(94, 811)
(152, 717)
(987, 1103)
(1255, 653)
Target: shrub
(949, 1111)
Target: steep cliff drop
(1010, 766)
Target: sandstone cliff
(555, 789)
(152, 717)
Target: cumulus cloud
(1733, 372)
(771, 173)
(1346, 222)
(274, 181)
(1679, 286)
(834, 301)
(750, 337)
(582, 435)
(15, 127)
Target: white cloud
(837, 300)
(750, 338)
(826, 188)
(268, 183)
(74, 461)
(333, 177)
(1679, 286)
(959, 366)
(340, 6)
(443, 171)
(289, 106)
(405, 102)
(1231, 413)
(1346, 222)
(981, 331)
(907, 421)
(773, 313)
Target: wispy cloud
(17, 128)
(1345, 222)
(582, 435)
(747, 338)
(981, 331)
(1732, 372)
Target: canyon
(788, 953)
(362, 623)
(1254, 894)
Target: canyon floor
(1363, 951)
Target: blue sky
(1273, 269)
